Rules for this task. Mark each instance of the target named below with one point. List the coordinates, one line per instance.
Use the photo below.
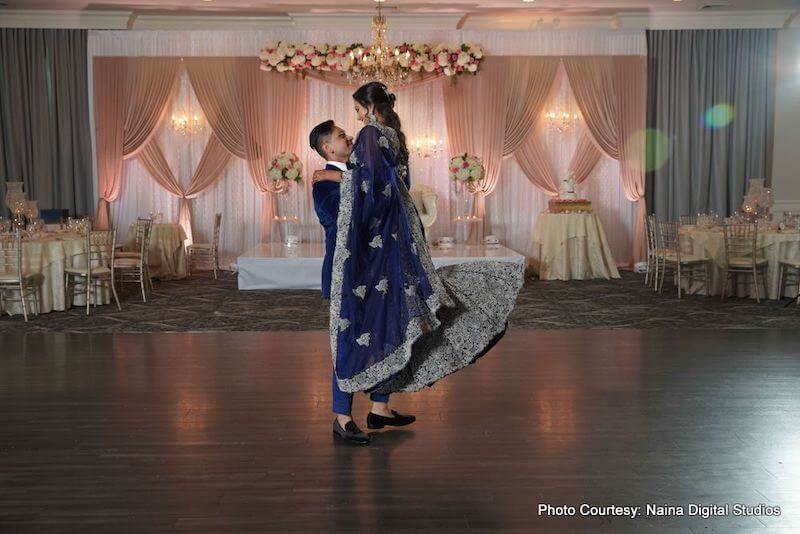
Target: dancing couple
(396, 323)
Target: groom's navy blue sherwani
(326, 204)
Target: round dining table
(49, 254)
(774, 245)
(167, 250)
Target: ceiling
(477, 7)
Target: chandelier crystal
(379, 60)
(561, 121)
(185, 124)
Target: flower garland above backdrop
(446, 59)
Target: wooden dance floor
(231, 432)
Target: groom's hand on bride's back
(323, 175)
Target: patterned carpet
(204, 304)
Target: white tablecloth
(571, 246)
(167, 253)
(710, 243)
(50, 255)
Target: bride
(396, 323)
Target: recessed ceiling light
(528, 1)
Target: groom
(334, 145)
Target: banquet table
(167, 252)
(571, 246)
(774, 245)
(49, 255)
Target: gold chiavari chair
(655, 253)
(143, 233)
(133, 268)
(789, 275)
(99, 270)
(12, 277)
(206, 252)
(688, 220)
(681, 263)
(741, 244)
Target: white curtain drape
(512, 208)
(586, 42)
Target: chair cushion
(745, 262)
(685, 258)
(127, 255)
(127, 262)
(9, 277)
(96, 271)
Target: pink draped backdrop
(254, 115)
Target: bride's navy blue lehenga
(396, 323)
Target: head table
(571, 246)
(774, 245)
(49, 254)
(167, 252)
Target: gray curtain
(44, 116)
(699, 160)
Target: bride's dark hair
(376, 94)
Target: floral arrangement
(446, 59)
(286, 166)
(466, 169)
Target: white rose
(291, 174)
(462, 175)
(473, 67)
(331, 60)
(345, 63)
(448, 71)
(463, 58)
(404, 60)
(307, 49)
(341, 49)
(476, 173)
(298, 165)
(275, 174)
(477, 53)
(290, 50)
(282, 68)
(416, 67)
(265, 67)
(298, 59)
(316, 61)
(457, 163)
(443, 58)
(429, 66)
(323, 49)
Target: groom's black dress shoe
(350, 432)
(375, 421)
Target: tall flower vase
(17, 202)
(465, 221)
(287, 216)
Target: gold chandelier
(379, 60)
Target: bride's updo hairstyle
(376, 94)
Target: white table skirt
(571, 246)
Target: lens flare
(719, 116)
(654, 144)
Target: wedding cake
(568, 201)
